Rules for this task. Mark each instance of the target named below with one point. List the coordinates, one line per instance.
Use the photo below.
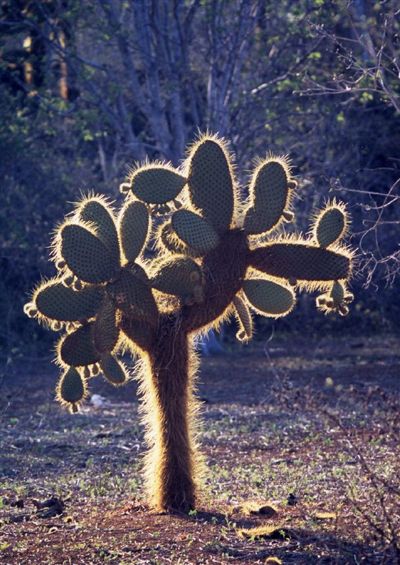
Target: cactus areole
(216, 256)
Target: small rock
(97, 400)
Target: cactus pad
(113, 370)
(168, 240)
(95, 210)
(77, 348)
(86, 255)
(194, 231)
(71, 389)
(133, 229)
(301, 261)
(269, 298)
(211, 182)
(330, 225)
(180, 277)
(269, 189)
(57, 302)
(156, 184)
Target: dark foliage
(88, 89)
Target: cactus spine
(209, 265)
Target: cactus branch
(301, 261)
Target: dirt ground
(301, 440)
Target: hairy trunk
(172, 464)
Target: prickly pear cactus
(215, 257)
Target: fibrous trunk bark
(173, 464)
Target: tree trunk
(172, 464)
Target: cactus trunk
(172, 463)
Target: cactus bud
(77, 285)
(241, 335)
(68, 281)
(349, 297)
(30, 310)
(288, 216)
(124, 188)
(60, 265)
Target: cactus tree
(213, 256)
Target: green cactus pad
(300, 261)
(86, 255)
(337, 293)
(131, 295)
(270, 191)
(57, 302)
(269, 298)
(178, 276)
(330, 226)
(156, 184)
(245, 320)
(170, 240)
(133, 229)
(211, 184)
(77, 348)
(96, 212)
(105, 331)
(113, 370)
(71, 389)
(193, 230)
(255, 222)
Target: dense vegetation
(89, 88)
